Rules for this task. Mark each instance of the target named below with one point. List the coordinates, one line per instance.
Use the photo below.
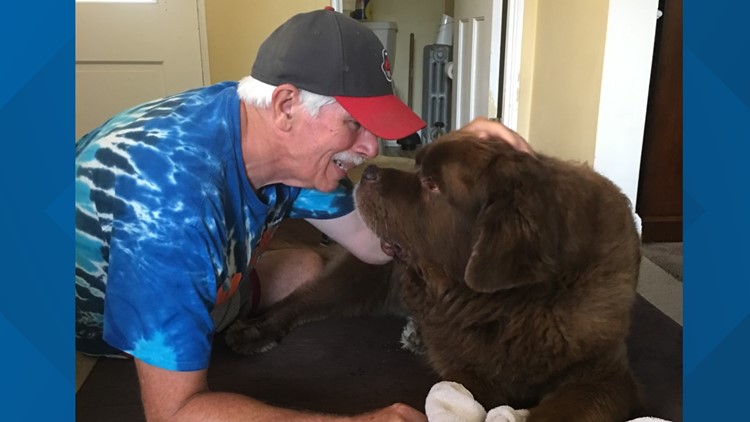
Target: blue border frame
(36, 186)
(37, 117)
(716, 53)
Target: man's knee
(312, 262)
(282, 271)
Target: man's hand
(485, 128)
(397, 412)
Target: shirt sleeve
(311, 203)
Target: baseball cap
(331, 54)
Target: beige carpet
(668, 256)
(84, 365)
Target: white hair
(259, 94)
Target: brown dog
(519, 272)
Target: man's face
(333, 143)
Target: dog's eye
(430, 184)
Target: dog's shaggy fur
(519, 271)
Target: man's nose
(367, 144)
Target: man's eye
(354, 124)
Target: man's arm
(184, 396)
(351, 232)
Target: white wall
(626, 75)
(565, 87)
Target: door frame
(511, 71)
(203, 37)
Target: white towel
(506, 414)
(450, 401)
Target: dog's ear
(516, 242)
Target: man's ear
(283, 101)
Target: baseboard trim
(662, 229)
(638, 224)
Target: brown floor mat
(346, 365)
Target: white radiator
(436, 91)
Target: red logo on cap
(386, 66)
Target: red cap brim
(385, 116)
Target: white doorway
(478, 45)
(129, 53)
(476, 59)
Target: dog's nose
(371, 173)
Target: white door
(129, 53)
(476, 59)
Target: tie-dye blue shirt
(167, 225)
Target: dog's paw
(410, 338)
(248, 337)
